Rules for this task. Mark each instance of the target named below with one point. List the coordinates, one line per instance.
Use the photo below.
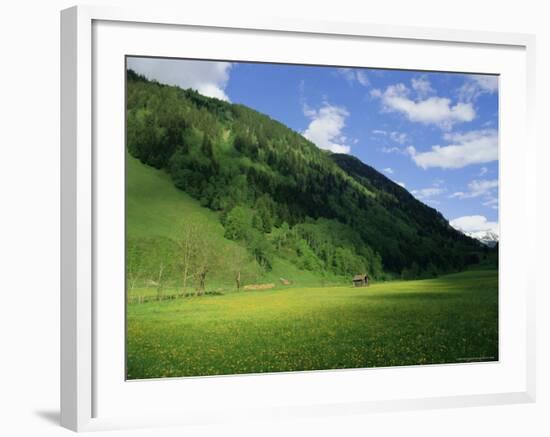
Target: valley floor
(450, 319)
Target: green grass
(445, 320)
(155, 207)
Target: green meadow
(317, 321)
(445, 320)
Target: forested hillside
(281, 198)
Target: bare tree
(238, 261)
(187, 245)
(134, 266)
(203, 259)
(197, 256)
(160, 282)
(238, 279)
(133, 277)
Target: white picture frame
(86, 380)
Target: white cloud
(476, 85)
(362, 78)
(326, 126)
(399, 137)
(425, 193)
(432, 110)
(391, 150)
(432, 202)
(353, 75)
(309, 112)
(491, 202)
(481, 188)
(488, 83)
(474, 147)
(375, 93)
(422, 86)
(388, 170)
(401, 184)
(207, 77)
(347, 73)
(483, 170)
(473, 224)
(477, 188)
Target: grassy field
(445, 320)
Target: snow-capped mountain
(488, 237)
(477, 227)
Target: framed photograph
(274, 218)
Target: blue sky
(434, 133)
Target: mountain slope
(282, 197)
(433, 232)
(156, 212)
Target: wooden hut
(361, 281)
